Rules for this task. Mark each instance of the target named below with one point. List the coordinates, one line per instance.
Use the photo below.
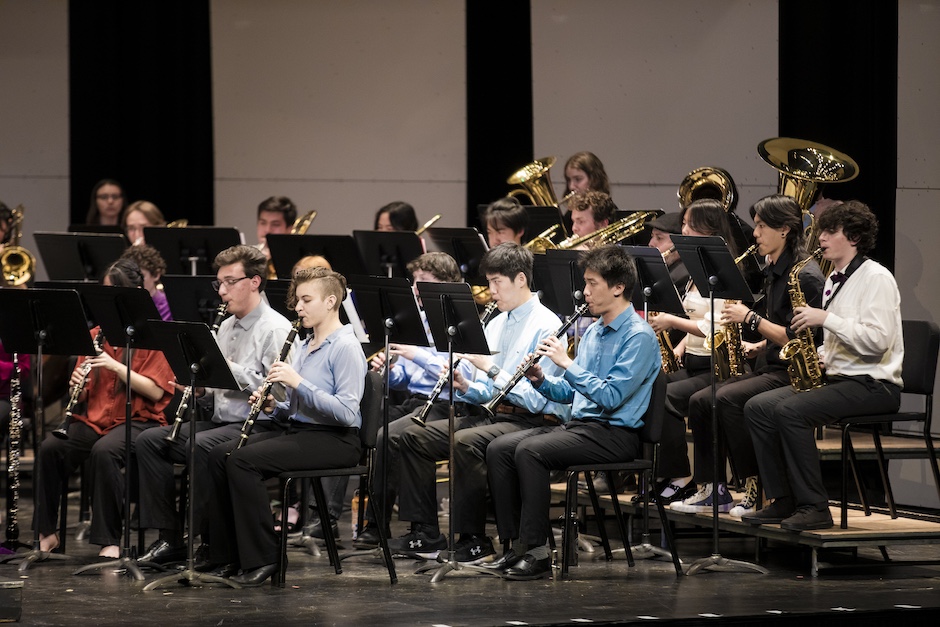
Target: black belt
(296, 425)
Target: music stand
(193, 249)
(542, 218)
(465, 245)
(568, 282)
(276, 291)
(542, 282)
(455, 323)
(78, 256)
(42, 322)
(713, 271)
(191, 298)
(96, 228)
(122, 312)
(655, 289)
(339, 250)
(388, 304)
(388, 253)
(194, 356)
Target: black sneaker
(774, 513)
(473, 549)
(420, 543)
(807, 518)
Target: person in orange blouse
(96, 431)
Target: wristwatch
(493, 371)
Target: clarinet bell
(62, 431)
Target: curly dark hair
(857, 220)
(601, 206)
(124, 273)
(441, 265)
(147, 257)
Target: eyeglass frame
(228, 283)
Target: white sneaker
(701, 501)
(748, 504)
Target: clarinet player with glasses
(863, 350)
(778, 231)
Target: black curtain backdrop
(838, 86)
(140, 94)
(499, 98)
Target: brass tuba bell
(708, 182)
(536, 182)
(16, 263)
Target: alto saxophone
(666, 349)
(729, 354)
(805, 373)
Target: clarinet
(62, 432)
(188, 390)
(257, 406)
(13, 456)
(490, 407)
(421, 417)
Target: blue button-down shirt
(333, 382)
(612, 377)
(420, 375)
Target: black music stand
(276, 291)
(42, 322)
(655, 289)
(388, 253)
(542, 218)
(97, 228)
(193, 354)
(465, 245)
(455, 323)
(713, 271)
(568, 282)
(78, 256)
(191, 298)
(193, 249)
(122, 312)
(388, 304)
(542, 283)
(339, 250)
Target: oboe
(188, 390)
(13, 455)
(62, 432)
(421, 417)
(257, 406)
(491, 406)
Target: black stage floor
(597, 592)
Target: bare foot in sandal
(111, 551)
(48, 543)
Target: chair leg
(598, 515)
(670, 539)
(615, 500)
(280, 575)
(570, 492)
(928, 439)
(324, 511)
(882, 470)
(380, 521)
(844, 506)
(63, 514)
(853, 464)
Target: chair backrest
(921, 346)
(652, 428)
(371, 409)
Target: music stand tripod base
(722, 564)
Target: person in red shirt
(96, 432)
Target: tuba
(803, 166)
(16, 263)
(535, 182)
(805, 373)
(708, 182)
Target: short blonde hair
(329, 283)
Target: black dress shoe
(201, 556)
(528, 568)
(369, 538)
(315, 529)
(225, 571)
(255, 577)
(162, 552)
(508, 560)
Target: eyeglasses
(109, 196)
(228, 283)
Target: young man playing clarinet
(512, 334)
(250, 340)
(316, 426)
(862, 352)
(609, 385)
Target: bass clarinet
(62, 432)
(188, 390)
(13, 456)
(490, 407)
(257, 406)
(422, 416)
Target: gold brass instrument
(16, 263)
(803, 166)
(302, 223)
(491, 406)
(708, 182)
(62, 431)
(804, 370)
(182, 223)
(188, 390)
(535, 182)
(421, 417)
(543, 241)
(428, 224)
(263, 391)
(666, 350)
(13, 454)
(613, 232)
(729, 354)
